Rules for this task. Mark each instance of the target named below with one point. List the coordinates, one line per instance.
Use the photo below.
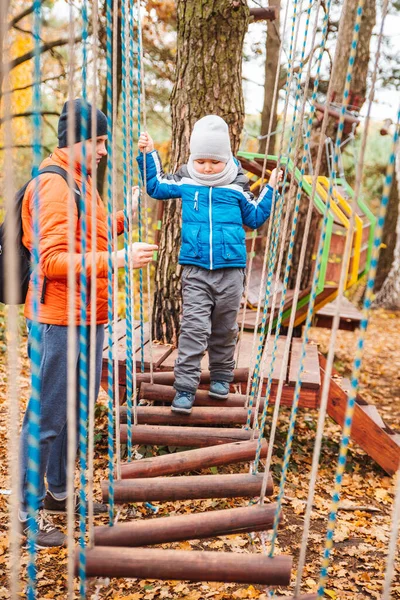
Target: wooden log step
(165, 393)
(190, 460)
(152, 563)
(196, 437)
(187, 527)
(192, 487)
(204, 415)
(168, 377)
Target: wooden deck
(369, 430)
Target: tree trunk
(271, 64)
(360, 72)
(389, 294)
(208, 81)
(386, 255)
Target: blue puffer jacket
(212, 217)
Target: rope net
(293, 155)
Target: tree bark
(386, 255)
(208, 81)
(389, 294)
(271, 64)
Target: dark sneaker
(219, 390)
(57, 507)
(183, 402)
(48, 536)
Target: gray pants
(211, 301)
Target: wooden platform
(164, 360)
(350, 316)
(369, 429)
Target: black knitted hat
(78, 107)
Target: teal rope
(140, 205)
(34, 402)
(127, 207)
(275, 235)
(351, 402)
(110, 379)
(83, 329)
(295, 214)
(313, 296)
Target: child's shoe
(183, 402)
(219, 390)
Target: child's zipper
(196, 201)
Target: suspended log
(197, 437)
(166, 393)
(168, 377)
(204, 415)
(151, 563)
(192, 487)
(187, 527)
(190, 460)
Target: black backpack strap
(64, 174)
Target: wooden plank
(152, 563)
(196, 437)
(347, 310)
(191, 460)
(188, 487)
(267, 358)
(311, 377)
(379, 444)
(200, 415)
(194, 526)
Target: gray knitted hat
(210, 139)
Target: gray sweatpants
(211, 301)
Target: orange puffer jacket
(53, 242)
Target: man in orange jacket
(53, 309)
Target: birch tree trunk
(208, 81)
(389, 294)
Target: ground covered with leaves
(364, 520)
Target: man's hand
(275, 177)
(145, 143)
(142, 254)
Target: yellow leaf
(331, 594)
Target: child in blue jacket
(216, 203)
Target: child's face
(208, 166)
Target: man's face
(87, 149)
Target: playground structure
(233, 431)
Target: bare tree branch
(28, 114)
(2, 148)
(22, 15)
(45, 48)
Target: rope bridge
(272, 368)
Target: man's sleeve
(160, 185)
(53, 230)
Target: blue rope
(34, 402)
(110, 381)
(313, 295)
(127, 206)
(83, 329)
(275, 235)
(295, 215)
(140, 205)
(351, 402)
